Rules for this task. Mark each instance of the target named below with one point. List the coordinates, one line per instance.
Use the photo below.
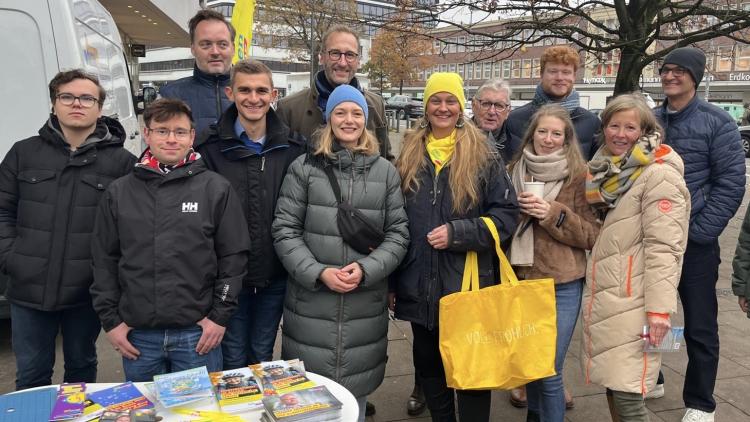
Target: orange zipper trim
(587, 325)
(630, 270)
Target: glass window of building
(724, 59)
(536, 69)
(743, 58)
(452, 68)
(461, 47)
(443, 67)
(516, 73)
(496, 70)
(469, 71)
(526, 70)
(506, 69)
(461, 69)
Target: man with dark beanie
(708, 141)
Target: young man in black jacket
(170, 252)
(252, 148)
(50, 185)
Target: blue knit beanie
(342, 94)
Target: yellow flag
(242, 20)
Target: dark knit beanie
(692, 59)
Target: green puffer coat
(340, 336)
(741, 262)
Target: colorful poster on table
(242, 20)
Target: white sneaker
(656, 393)
(695, 415)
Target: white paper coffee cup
(536, 188)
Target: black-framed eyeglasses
(676, 71)
(335, 55)
(162, 133)
(487, 105)
(86, 101)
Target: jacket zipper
(340, 313)
(433, 268)
(587, 321)
(71, 205)
(262, 163)
(628, 287)
(218, 99)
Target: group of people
(238, 214)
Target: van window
(103, 57)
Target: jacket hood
(666, 155)
(108, 131)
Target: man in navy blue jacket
(708, 141)
(212, 45)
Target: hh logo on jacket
(189, 207)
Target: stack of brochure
(237, 390)
(180, 388)
(314, 404)
(121, 398)
(280, 376)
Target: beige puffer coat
(634, 268)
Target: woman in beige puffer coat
(635, 265)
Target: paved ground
(732, 388)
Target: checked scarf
(611, 176)
(149, 161)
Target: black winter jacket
(427, 274)
(48, 200)
(257, 180)
(169, 249)
(586, 125)
(204, 93)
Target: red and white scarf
(149, 161)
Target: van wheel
(746, 145)
(401, 114)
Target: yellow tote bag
(499, 337)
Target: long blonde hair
(571, 148)
(366, 144)
(469, 159)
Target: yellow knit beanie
(445, 82)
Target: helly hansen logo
(189, 207)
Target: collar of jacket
(343, 159)
(277, 135)
(207, 78)
(685, 112)
(108, 132)
(190, 169)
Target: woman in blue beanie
(335, 313)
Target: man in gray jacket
(491, 106)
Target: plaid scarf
(570, 103)
(149, 161)
(611, 176)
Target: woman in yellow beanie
(450, 178)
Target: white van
(43, 37)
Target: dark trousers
(33, 336)
(700, 272)
(473, 406)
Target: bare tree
(641, 31)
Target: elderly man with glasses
(491, 106)
(50, 184)
(304, 111)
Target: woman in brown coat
(556, 229)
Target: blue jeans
(251, 332)
(33, 336)
(362, 404)
(164, 351)
(546, 397)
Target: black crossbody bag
(355, 228)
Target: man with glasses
(559, 65)
(707, 139)
(169, 253)
(212, 45)
(50, 185)
(491, 106)
(303, 111)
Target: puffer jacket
(204, 93)
(301, 113)
(427, 274)
(707, 139)
(586, 125)
(341, 336)
(634, 268)
(169, 249)
(48, 200)
(741, 262)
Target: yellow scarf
(441, 150)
